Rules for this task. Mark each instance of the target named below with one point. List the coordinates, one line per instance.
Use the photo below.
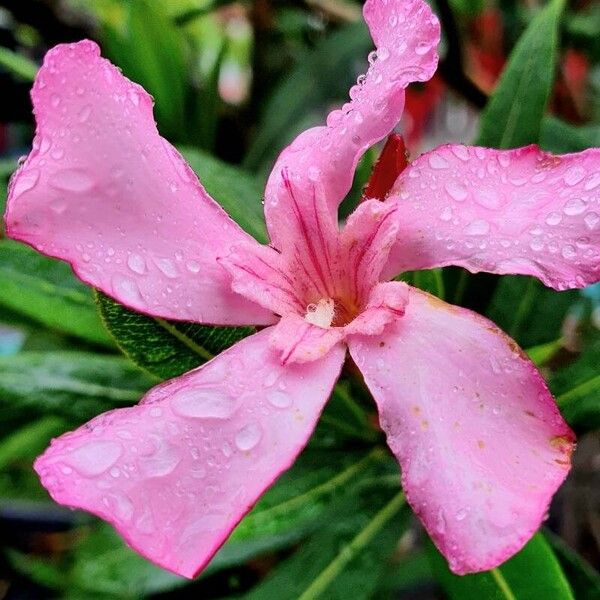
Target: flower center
(330, 312)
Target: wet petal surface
(176, 473)
(103, 191)
(480, 441)
(518, 211)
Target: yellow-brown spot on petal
(529, 413)
(424, 424)
(481, 443)
(416, 409)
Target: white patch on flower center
(321, 314)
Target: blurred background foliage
(233, 83)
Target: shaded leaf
(531, 574)
(47, 291)
(561, 137)
(17, 64)
(514, 112)
(77, 385)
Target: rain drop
(248, 437)
(279, 399)
(136, 263)
(203, 404)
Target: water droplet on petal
(25, 181)
(248, 437)
(136, 263)
(71, 180)
(127, 290)
(193, 266)
(477, 227)
(456, 190)
(437, 162)
(591, 220)
(461, 514)
(203, 404)
(553, 218)
(568, 251)
(167, 267)
(574, 207)
(94, 458)
(279, 399)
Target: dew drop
(553, 218)
(460, 152)
(437, 162)
(24, 181)
(422, 48)
(71, 180)
(193, 266)
(574, 207)
(94, 458)
(248, 437)
(203, 404)
(592, 183)
(568, 251)
(127, 289)
(136, 263)
(456, 190)
(591, 220)
(167, 267)
(477, 227)
(279, 399)
(461, 514)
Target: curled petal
(176, 473)
(518, 211)
(103, 191)
(260, 274)
(479, 438)
(299, 341)
(387, 301)
(406, 34)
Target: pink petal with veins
(521, 211)
(103, 191)
(479, 438)
(406, 34)
(177, 472)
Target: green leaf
(346, 559)
(47, 291)
(165, 348)
(236, 190)
(560, 137)
(76, 385)
(529, 312)
(17, 64)
(431, 281)
(152, 52)
(584, 579)
(531, 574)
(577, 388)
(321, 76)
(513, 115)
(29, 440)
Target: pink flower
(480, 441)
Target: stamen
(321, 313)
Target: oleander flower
(481, 444)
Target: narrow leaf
(513, 115)
(47, 291)
(17, 64)
(531, 574)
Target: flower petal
(406, 34)
(480, 441)
(299, 341)
(176, 473)
(520, 211)
(103, 191)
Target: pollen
(321, 313)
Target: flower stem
(350, 550)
